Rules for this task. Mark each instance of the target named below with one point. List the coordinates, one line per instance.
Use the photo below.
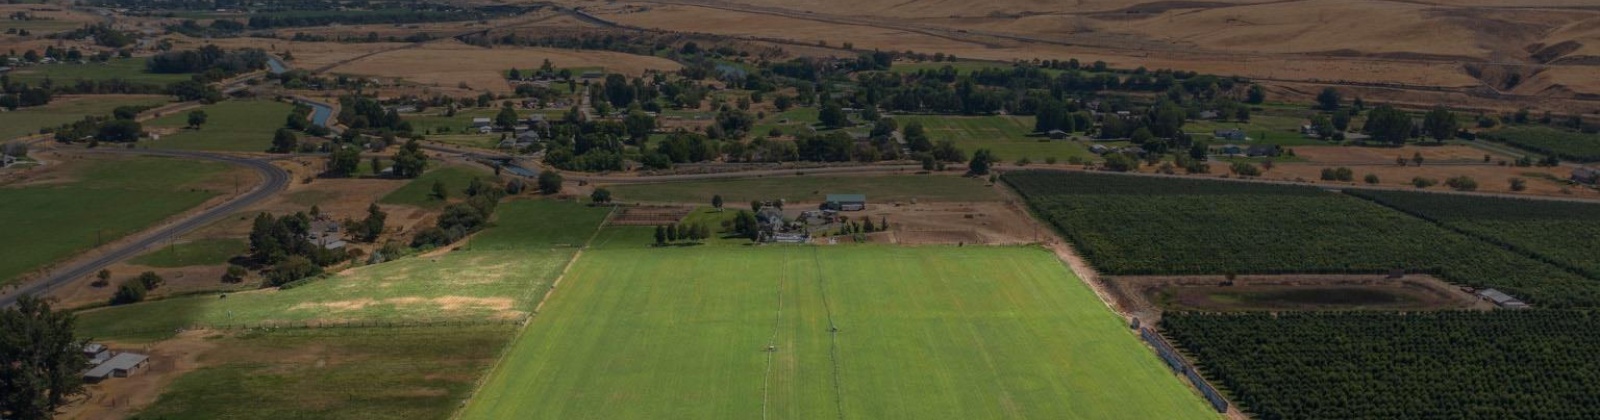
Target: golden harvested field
(449, 63)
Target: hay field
(450, 63)
(96, 198)
(936, 332)
(497, 277)
(231, 126)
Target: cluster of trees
(282, 242)
(15, 95)
(410, 161)
(121, 127)
(666, 234)
(134, 289)
(103, 34)
(212, 63)
(368, 229)
(43, 361)
(365, 113)
(462, 219)
(1338, 174)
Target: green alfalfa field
(827, 332)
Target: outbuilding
(1502, 299)
(846, 202)
(119, 366)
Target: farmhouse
(1586, 175)
(1232, 150)
(846, 202)
(1501, 299)
(119, 366)
(483, 124)
(1232, 134)
(1057, 134)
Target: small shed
(6, 160)
(1056, 134)
(1099, 149)
(119, 366)
(481, 122)
(847, 202)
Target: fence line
(1181, 365)
(315, 325)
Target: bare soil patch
(1146, 297)
(122, 397)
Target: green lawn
(364, 373)
(501, 273)
(231, 126)
(929, 332)
(878, 188)
(1004, 135)
(1282, 130)
(128, 69)
(64, 110)
(419, 192)
(108, 199)
(461, 123)
(201, 252)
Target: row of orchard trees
(1343, 365)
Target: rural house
(845, 202)
(1232, 134)
(1057, 134)
(483, 124)
(1231, 150)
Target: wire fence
(315, 325)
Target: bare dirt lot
(976, 223)
(1146, 297)
(122, 397)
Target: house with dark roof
(1232, 134)
(1264, 150)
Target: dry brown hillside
(1544, 52)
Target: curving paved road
(275, 179)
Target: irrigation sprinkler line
(833, 334)
(772, 343)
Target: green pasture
(419, 192)
(231, 126)
(880, 189)
(1008, 136)
(63, 110)
(105, 199)
(498, 276)
(128, 69)
(360, 373)
(803, 332)
(212, 251)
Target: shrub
(1245, 169)
(130, 291)
(1371, 178)
(1462, 183)
(1518, 184)
(1421, 182)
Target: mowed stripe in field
(923, 333)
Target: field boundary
(833, 334)
(528, 320)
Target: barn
(846, 202)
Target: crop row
(1558, 232)
(1339, 365)
(1567, 145)
(1141, 226)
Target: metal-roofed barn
(846, 202)
(118, 366)
(1501, 299)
